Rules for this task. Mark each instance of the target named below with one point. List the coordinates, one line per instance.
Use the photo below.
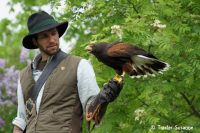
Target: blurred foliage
(7, 113)
(169, 99)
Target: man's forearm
(16, 129)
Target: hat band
(42, 24)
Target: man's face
(48, 41)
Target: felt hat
(39, 22)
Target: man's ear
(34, 41)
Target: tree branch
(133, 6)
(195, 112)
(141, 99)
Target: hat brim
(27, 40)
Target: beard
(49, 50)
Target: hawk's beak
(89, 48)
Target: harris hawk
(127, 58)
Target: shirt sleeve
(21, 114)
(87, 85)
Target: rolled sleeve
(19, 122)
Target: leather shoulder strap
(45, 74)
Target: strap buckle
(29, 107)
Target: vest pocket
(62, 120)
(47, 121)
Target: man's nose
(51, 38)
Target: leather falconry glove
(109, 93)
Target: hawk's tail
(144, 66)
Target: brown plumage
(127, 58)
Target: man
(57, 88)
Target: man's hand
(16, 129)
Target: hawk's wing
(124, 50)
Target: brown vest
(60, 109)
